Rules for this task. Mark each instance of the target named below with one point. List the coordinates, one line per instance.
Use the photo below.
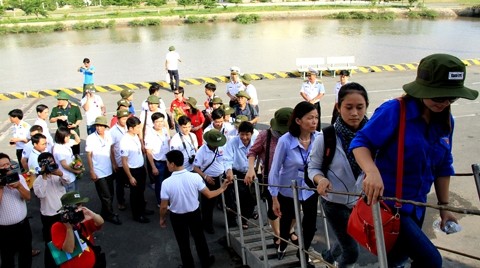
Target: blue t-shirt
(88, 75)
(427, 153)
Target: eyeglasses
(443, 99)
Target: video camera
(49, 166)
(6, 177)
(70, 215)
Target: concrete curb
(202, 80)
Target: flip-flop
(244, 226)
(35, 252)
(294, 241)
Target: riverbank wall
(203, 80)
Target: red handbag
(360, 223)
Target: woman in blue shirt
(427, 153)
(289, 163)
(343, 171)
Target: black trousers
(120, 181)
(137, 197)
(47, 222)
(184, 225)
(309, 220)
(105, 191)
(18, 153)
(247, 203)
(174, 75)
(208, 205)
(16, 238)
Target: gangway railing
(382, 255)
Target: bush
(422, 14)
(358, 15)
(145, 22)
(247, 18)
(93, 25)
(195, 19)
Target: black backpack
(330, 142)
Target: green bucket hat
(123, 113)
(243, 94)
(126, 93)
(153, 99)
(227, 109)
(73, 198)
(246, 79)
(239, 119)
(217, 100)
(62, 95)
(440, 75)
(192, 101)
(214, 138)
(171, 48)
(123, 102)
(280, 120)
(101, 121)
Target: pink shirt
(259, 148)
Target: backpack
(330, 142)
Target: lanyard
(305, 160)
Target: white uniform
(157, 143)
(64, 152)
(234, 88)
(312, 90)
(22, 131)
(94, 110)
(191, 143)
(100, 149)
(131, 148)
(117, 133)
(252, 92)
(205, 156)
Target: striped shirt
(13, 209)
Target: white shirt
(100, 149)
(176, 144)
(13, 209)
(49, 192)
(312, 90)
(172, 59)
(131, 148)
(234, 88)
(226, 129)
(64, 152)
(204, 157)
(338, 85)
(33, 161)
(45, 130)
(27, 149)
(117, 133)
(235, 156)
(22, 131)
(94, 110)
(182, 190)
(252, 92)
(149, 122)
(157, 143)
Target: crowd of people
(191, 155)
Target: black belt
(159, 161)
(240, 175)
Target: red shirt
(178, 104)
(197, 120)
(86, 259)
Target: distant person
(20, 130)
(93, 106)
(171, 65)
(312, 91)
(88, 70)
(178, 107)
(122, 105)
(234, 86)
(42, 117)
(245, 108)
(250, 90)
(67, 114)
(208, 104)
(180, 195)
(343, 76)
(127, 94)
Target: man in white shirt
(98, 148)
(39, 142)
(117, 132)
(42, 116)
(312, 91)
(250, 90)
(181, 191)
(208, 164)
(171, 65)
(20, 130)
(185, 142)
(15, 232)
(218, 123)
(132, 162)
(93, 106)
(234, 86)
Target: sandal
(244, 226)
(255, 216)
(276, 242)
(35, 252)
(294, 241)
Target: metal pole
(325, 226)
(380, 239)
(227, 228)
(239, 220)
(296, 206)
(260, 223)
(476, 176)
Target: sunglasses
(443, 99)
(176, 93)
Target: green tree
(156, 3)
(36, 7)
(185, 3)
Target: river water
(50, 60)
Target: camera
(49, 167)
(191, 159)
(7, 178)
(70, 215)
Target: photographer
(185, 141)
(76, 218)
(15, 232)
(49, 188)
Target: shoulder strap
(400, 150)
(90, 245)
(215, 156)
(266, 166)
(329, 143)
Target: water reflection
(127, 54)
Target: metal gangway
(251, 244)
